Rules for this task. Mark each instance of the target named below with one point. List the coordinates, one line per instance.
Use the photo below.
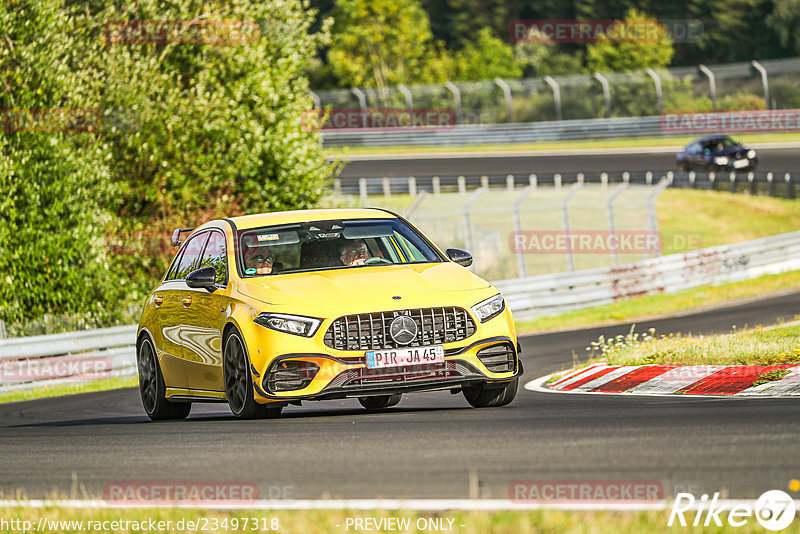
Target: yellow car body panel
(187, 325)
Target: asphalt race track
(777, 160)
(427, 445)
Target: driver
(354, 253)
(260, 259)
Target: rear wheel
(239, 382)
(481, 396)
(379, 402)
(152, 388)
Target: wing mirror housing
(461, 257)
(203, 278)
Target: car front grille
(370, 331)
(356, 378)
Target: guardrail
(57, 359)
(780, 184)
(554, 293)
(41, 361)
(487, 134)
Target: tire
(379, 402)
(239, 382)
(152, 388)
(479, 396)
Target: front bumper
(346, 375)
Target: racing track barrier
(49, 360)
(776, 184)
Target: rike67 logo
(774, 510)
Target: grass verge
(651, 306)
(755, 346)
(69, 389)
(640, 142)
(336, 521)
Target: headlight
(291, 324)
(721, 160)
(489, 308)
(751, 154)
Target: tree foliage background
(189, 132)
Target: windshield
(722, 143)
(331, 245)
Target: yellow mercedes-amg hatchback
(268, 310)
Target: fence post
(606, 91)
(712, 85)
(764, 81)
(436, 185)
(453, 88)
(712, 180)
(407, 94)
(652, 219)
(470, 240)
(517, 219)
(412, 186)
(3, 334)
(733, 181)
(648, 178)
(692, 178)
(507, 96)
(485, 181)
(789, 186)
(612, 231)
(565, 223)
(626, 177)
(670, 177)
(510, 182)
(603, 179)
(771, 183)
(557, 180)
(533, 180)
(362, 103)
(556, 95)
(387, 186)
(751, 177)
(462, 185)
(659, 93)
(362, 190)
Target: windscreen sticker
(268, 237)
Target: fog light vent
(498, 358)
(289, 375)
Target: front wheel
(481, 396)
(239, 382)
(152, 388)
(379, 402)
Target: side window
(214, 256)
(694, 148)
(189, 257)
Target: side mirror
(204, 278)
(461, 257)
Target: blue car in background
(716, 153)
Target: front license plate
(377, 359)
(739, 163)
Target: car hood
(409, 282)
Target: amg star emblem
(403, 329)
(396, 297)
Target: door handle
(158, 300)
(186, 301)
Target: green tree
(486, 57)
(54, 178)
(542, 58)
(378, 43)
(624, 54)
